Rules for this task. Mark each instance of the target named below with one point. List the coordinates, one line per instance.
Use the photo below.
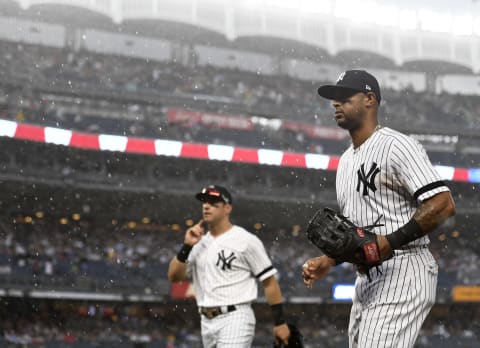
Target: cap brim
(336, 92)
(202, 197)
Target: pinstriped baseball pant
(234, 329)
(389, 311)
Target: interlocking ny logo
(225, 261)
(368, 179)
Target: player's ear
(228, 208)
(370, 99)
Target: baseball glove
(343, 241)
(295, 340)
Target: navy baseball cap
(214, 193)
(349, 83)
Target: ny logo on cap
(340, 78)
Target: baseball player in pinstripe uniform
(386, 180)
(225, 264)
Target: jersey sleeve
(414, 169)
(191, 262)
(258, 260)
(189, 270)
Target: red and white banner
(163, 147)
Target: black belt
(212, 312)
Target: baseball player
(385, 180)
(225, 264)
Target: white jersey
(384, 179)
(225, 269)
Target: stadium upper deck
(327, 30)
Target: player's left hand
(282, 334)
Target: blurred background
(114, 113)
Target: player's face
(215, 211)
(349, 111)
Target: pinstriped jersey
(384, 180)
(225, 268)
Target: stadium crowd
(34, 85)
(108, 326)
(101, 259)
(35, 79)
(84, 69)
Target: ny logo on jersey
(367, 179)
(226, 262)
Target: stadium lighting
(366, 12)
(252, 4)
(285, 4)
(296, 230)
(476, 26)
(344, 9)
(374, 12)
(386, 15)
(436, 22)
(343, 292)
(462, 25)
(408, 20)
(363, 12)
(316, 6)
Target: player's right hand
(194, 234)
(316, 268)
(281, 334)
